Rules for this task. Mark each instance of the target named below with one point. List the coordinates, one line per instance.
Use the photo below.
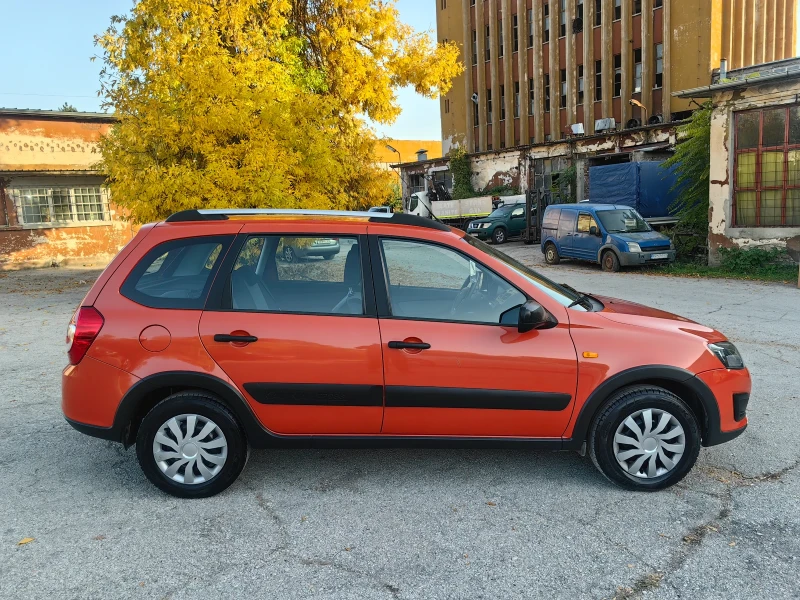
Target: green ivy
(565, 189)
(462, 174)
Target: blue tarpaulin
(645, 186)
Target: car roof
(274, 214)
(589, 205)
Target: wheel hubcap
(190, 449)
(649, 443)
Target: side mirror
(593, 230)
(532, 315)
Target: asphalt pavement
(392, 524)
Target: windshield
(623, 220)
(502, 211)
(559, 293)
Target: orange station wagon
(201, 340)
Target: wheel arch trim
(702, 400)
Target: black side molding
(400, 396)
(316, 394)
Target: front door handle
(246, 339)
(409, 345)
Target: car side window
(428, 281)
(298, 274)
(585, 221)
(176, 274)
(518, 212)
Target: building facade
(754, 189)
(535, 68)
(55, 208)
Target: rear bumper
(104, 433)
(634, 259)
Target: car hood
(631, 313)
(644, 236)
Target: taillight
(86, 323)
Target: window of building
(562, 102)
(598, 80)
(530, 96)
(562, 18)
(500, 45)
(659, 78)
(530, 28)
(580, 84)
(447, 105)
(548, 137)
(547, 92)
(767, 171)
(637, 70)
(428, 289)
(514, 34)
(546, 24)
(472, 2)
(579, 10)
(474, 47)
(617, 10)
(658, 3)
(58, 206)
(502, 103)
(598, 13)
(416, 182)
(617, 75)
(516, 99)
(489, 106)
(487, 46)
(476, 114)
(637, 7)
(444, 4)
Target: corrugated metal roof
(58, 115)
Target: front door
(516, 223)
(297, 333)
(586, 244)
(454, 362)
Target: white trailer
(457, 213)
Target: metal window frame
(74, 221)
(759, 149)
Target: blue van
(609, 234)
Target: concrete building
(754, 191)
(55, 208)
(536, 67)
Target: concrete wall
(721, 233)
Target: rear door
(454, 361)
(584, 244)
(300, 339)
(566, 231)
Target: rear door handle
(222, 337)
(409, 345)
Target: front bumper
(481, 234)
(731, 390)
(633, 259)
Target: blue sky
(46, 47)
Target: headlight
(727, 354)
(633, 247)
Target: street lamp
(391, 149)
(634, 102)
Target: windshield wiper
(581, 297)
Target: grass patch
(756, 264)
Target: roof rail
(223, 214)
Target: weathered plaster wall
(721, 233)
(39, 144)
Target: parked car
(504, 222)
(196, 343)
(607, 234)
(294, 249)
(383, 209)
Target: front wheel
(645, 439)
(499, 236)
(609, 261)
(289, 255)
(191, 446)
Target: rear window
(176, 274)
(551, 218)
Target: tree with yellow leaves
(253, 103)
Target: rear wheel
(551, 256)
(190, 445)
(609, 261)
(499, 236)
(289, 255)
(645, 438)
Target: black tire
(328, 256)
(206, 406)
(609, 261)
(289, 255)
(551, 256)
(625, 403)
(499, 235)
